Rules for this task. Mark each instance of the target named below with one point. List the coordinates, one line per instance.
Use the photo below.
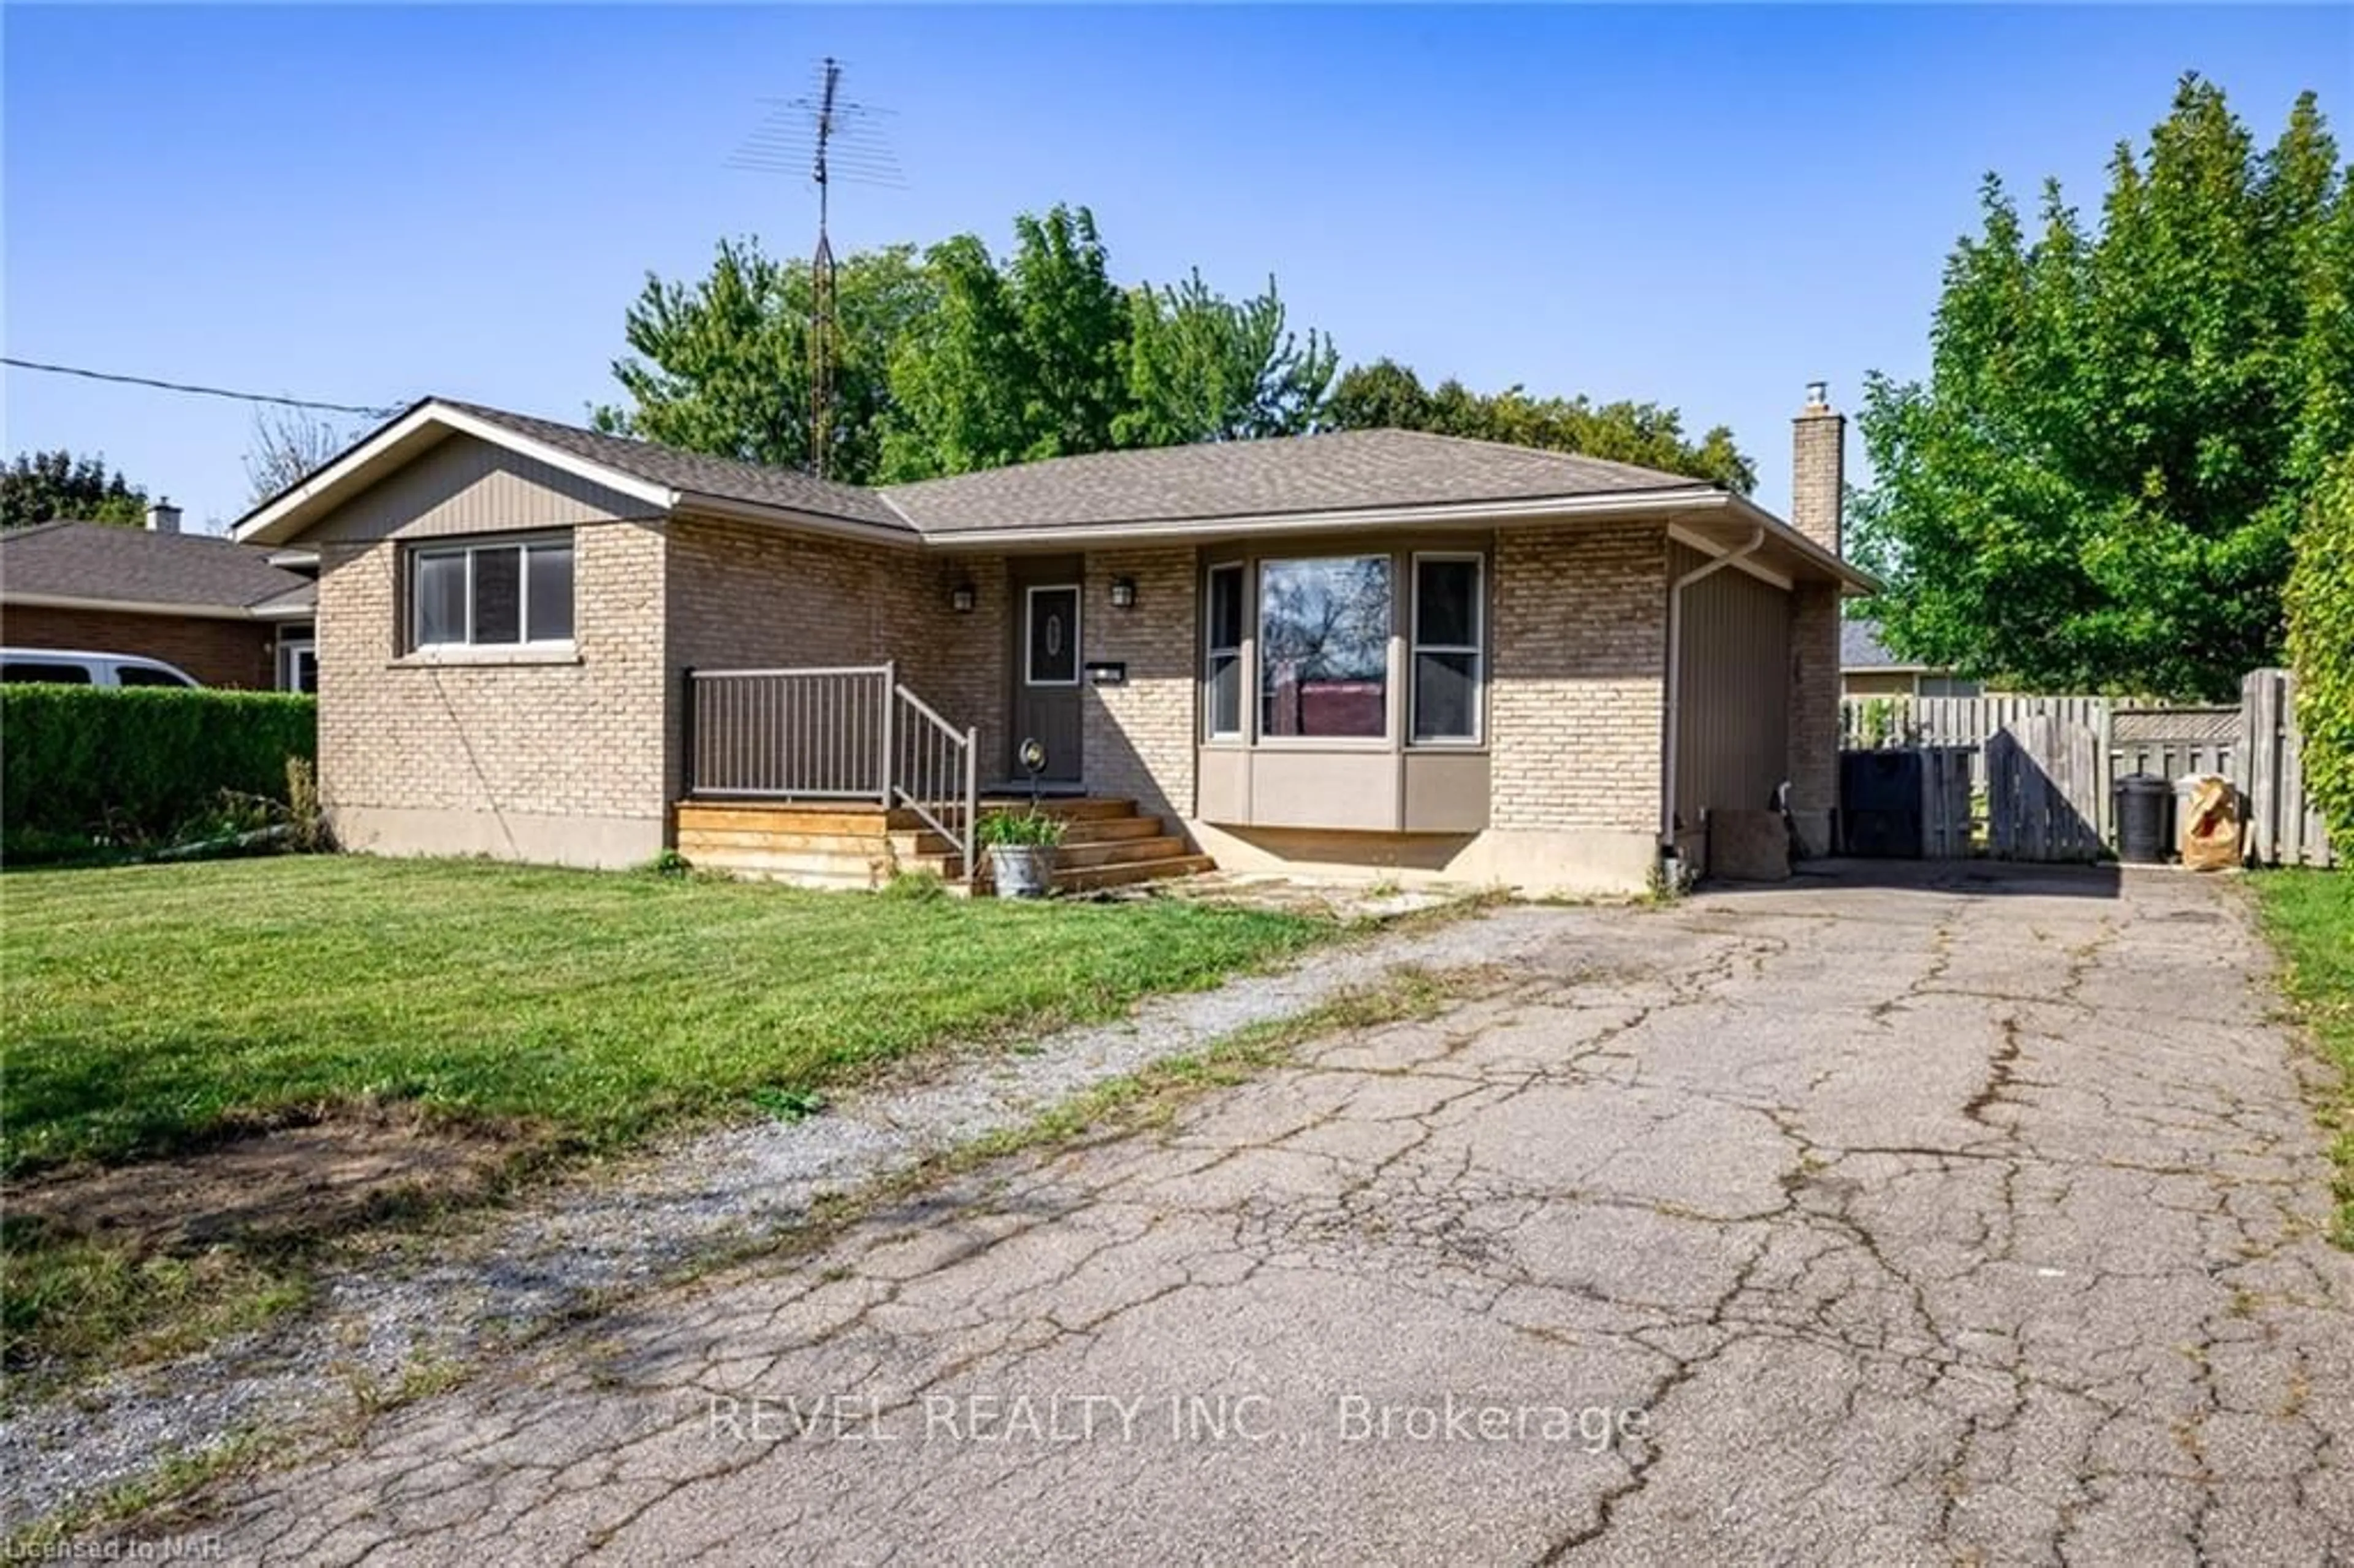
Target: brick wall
(217, 652)
(744, 595)
(1140, 738)
(577, 738)
(1580, 662)
(1814, 722)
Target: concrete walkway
(1963, 1221)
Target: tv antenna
(832, 138)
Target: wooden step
(1116, 852)
(832, 817)
(727, 841)
(1106, 830)
(865, 869)
(1084, 879)
(1069, 807)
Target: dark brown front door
(1046, 670)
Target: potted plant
(1021, 851)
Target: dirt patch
(271, 1185)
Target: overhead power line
(376, 411)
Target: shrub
(2321, 645)
(139, 764)
(1013, 829)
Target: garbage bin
(2142, 799)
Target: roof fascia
(125, 606)
(1460, 514)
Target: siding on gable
(469, 486)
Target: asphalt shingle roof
(1343, 470)
(724, 477)
(133, 566)
(1861, 649)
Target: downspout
(1675, 679)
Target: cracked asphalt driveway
(1975, 1220)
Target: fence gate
(2043, 788)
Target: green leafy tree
(41, 487)
(1016, 363)
(2321, 645)
(1202, 367)
(1387, 395)
(722, 364)
(2099, 483)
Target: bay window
(1324, 647)
(503, 593)
(1447, 648)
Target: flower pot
(1022, 871)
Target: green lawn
(2310, 917)
(148, 1006)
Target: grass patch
(2309, 915)
(67, 1299)
(155, 1010)
(151, 1006)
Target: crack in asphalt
(1913, 1223)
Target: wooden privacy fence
(2284, 825)
(2042, 781)
(2043, 774)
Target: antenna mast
(821, 288)
(830, 135)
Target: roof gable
(657, 479)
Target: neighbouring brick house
(217, 609)
(1373, 651)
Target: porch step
(769, 816)
(1069, 807)
(1084, 879)
(1105, 842)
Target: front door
(1046, 671)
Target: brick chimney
(163, 517)
(1817, 468)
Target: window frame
(1255, 606)
(1211, 652)
(1029, 640)
(1476, 648)
(523, 543)
(291, 653)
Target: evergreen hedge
(140, 763)
(2321, 647)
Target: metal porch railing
(850, 733)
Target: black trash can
(2143, 804)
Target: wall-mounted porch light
(961, 598)
(1123, 593)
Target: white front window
(1447, 632)
(503, 593)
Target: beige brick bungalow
(1374, 651)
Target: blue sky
(1704, 206)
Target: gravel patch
(631, 1223)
